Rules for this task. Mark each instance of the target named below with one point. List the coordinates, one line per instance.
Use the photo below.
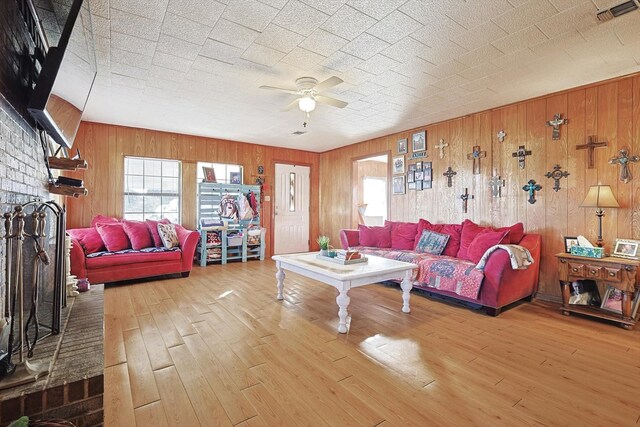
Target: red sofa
(500, 284)
(132, 264)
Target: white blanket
(520, 256)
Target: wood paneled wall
(105, 146)
(610, 110)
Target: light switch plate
(267, 198)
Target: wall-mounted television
(65, 81)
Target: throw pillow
(432, 243)
(469, 232)
(138, 234)
(402, 234)
(101, 219)
(168, 235)
(89, 239)
(516, 232)
(377, 237)
(484, 241)
(153, 229)
(113, 236)
(453, 230)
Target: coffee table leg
(406, 286)
(343, 301)
(280, 278)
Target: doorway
(371, 190)
(291, 214)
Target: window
(374, 195)
(222, 171)
(151, 189)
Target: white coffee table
(345, 277)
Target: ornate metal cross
(555, 123)
(532, 187)
(501, 135)
(623, 160)
(496, 183)
(440, 147)
(449, 174)
(557, 175)
(465, 197)
(591, 148)
(476, 155)
(521, 155)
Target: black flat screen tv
(65, 81)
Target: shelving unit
(228, 245)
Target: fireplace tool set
(28, 240)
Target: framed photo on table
(234, 177)
(209, 174)
(569, 242)
(419, 141)
(626, 248)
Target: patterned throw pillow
(168, 235)
(432, 242)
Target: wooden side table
(618, 272)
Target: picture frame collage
(419, 175)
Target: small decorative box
(587, 252)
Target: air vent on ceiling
(298, 132)
(618, 10)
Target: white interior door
(291, 226)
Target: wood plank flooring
(218, 349)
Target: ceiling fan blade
(327, 84)
(331, 101)
(293, 91)
(292, 104)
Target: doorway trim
(354, 186)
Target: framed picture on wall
(419, 185)
(419, 166)
(419, 141)
(412, 167)
(411, 185)
(209, 174)
(398, 185)
(427, 185)
(411, 177)
(398, 164)
(419, 175)
(403, 146)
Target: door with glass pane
(291, 226)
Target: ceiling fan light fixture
(307, 104)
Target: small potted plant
(323, 241)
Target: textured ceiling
(194, 66)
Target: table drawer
(594, 272)
(613, 274)
(576, 269)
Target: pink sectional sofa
(453, 273)
(106, 253)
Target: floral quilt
(130, 251)
(436, 271)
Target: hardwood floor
(218, 349)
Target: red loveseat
(448, 274)
(90, 259)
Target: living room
(503, 111)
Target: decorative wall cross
(557, 175)
(476, 155)
(501, 135)
(591, 148)
(623, 160)
(532, 187)
(521, 155)
(449, 174)
(556, 123)
(440, 147)
(465, 197)
(496, 183)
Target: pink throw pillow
(469, 232)
(378, 237)
(152, 226)
(484, 241)
(453, 230)
(516, 232)
(138, 234)
(101, 219)
(113, 236)
(89, 239)
(403, 234)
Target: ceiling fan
(308, 93)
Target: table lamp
(600, 196)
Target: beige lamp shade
(600, 196)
